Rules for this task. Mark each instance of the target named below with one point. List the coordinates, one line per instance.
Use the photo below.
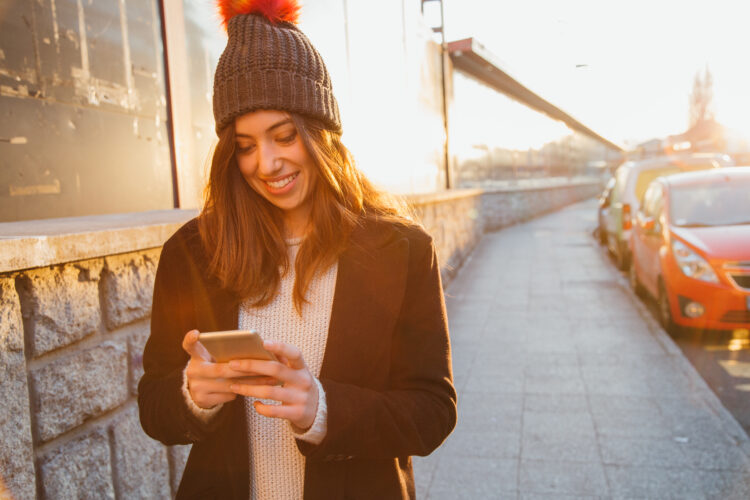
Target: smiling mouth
(283, 182)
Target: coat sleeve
(164, 413)
(417, 411)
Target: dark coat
(386, 369)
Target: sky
(624, 69)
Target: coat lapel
(369, 291)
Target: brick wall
(71, 338)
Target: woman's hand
(208, 382)
(298, 392)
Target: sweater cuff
(319, 427)
(203, 414)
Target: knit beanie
(269, 63)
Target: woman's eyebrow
(276, 125)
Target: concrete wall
(72, 334)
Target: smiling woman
(296, 244)
(274, 161)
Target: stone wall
(511, 205)
(70, 358)
(457, 219)
(454, 220)
(72, 334)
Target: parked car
(605, 200)
(631, 180)
(691, 248)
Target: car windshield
(712, 205)
(645, 177)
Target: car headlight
(691, 264)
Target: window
(83, 110)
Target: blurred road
(568, 387)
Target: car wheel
(635, 283)
(665, 313)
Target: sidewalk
(567, 386)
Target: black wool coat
(386, 369)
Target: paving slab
(568, 388)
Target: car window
(658, 201)
(646, 201)
(608, 190)
(712, 205)
(648, 205)
(622, 177)
(646, 176)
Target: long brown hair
(243, 233)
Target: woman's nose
(269, 162)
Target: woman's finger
(212, 399)
(210, 385)
(224, 384)
(277, 393)
(292, 354)
(255, 380)
(291, 413)
(273, 369)
(206, 369)
(189, 342)
(193, 347)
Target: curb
(701, 387)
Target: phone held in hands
(227, 345)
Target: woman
(295, 243)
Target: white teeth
(283, 182)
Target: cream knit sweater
(277, 468)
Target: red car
(691, 248)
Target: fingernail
(234, 365)
(233, 387)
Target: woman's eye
(288, 139)
(245, 149)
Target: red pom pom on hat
(274, 10)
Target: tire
(665, 312)
(635, 283)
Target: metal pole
(443, 53)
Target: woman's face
(275, 163)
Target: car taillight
(627, 222)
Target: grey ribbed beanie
(271, 65)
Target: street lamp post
(441, 29)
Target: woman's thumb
(190, 344)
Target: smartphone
(235, 344)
